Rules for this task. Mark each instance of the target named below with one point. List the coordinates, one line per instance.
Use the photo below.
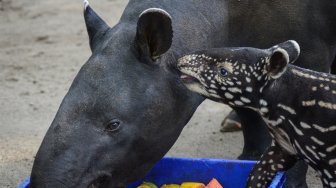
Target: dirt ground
(43, 43)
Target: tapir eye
(112, 125)
(223, 72)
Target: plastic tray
(230, 173)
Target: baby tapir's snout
(193, 63)
(189, 61)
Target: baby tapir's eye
(223, 72)
(112, 126)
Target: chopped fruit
(170, 186)
(192, 185)
(214, 184)
(147, 185)
(143, 186)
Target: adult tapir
(127, 106)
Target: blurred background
(43, 43)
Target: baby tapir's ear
(281, 55)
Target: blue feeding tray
(229, 173)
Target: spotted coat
(298, 105)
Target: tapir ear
(96, 27)
(154, 33)
(281, 55)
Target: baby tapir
(298, 105)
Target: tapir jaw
(188, 75)
(192, 83)
(196, 86)
(94, 180)
(100, 181)
(188, 79)
(105, 182)
(191, 78)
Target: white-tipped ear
(292, 49)
(96, 27)
(282, 54)
(154, 33)
(155, 10)
(296, 50)
(278, 63)
(86, 4)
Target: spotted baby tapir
(298, 105)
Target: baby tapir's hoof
(231, 123)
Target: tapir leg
(296, 176)
(273, 160)
(256, 135)
(333, 67)
(257, 139)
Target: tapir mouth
(100, 182)
(188, 79)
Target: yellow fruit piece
(192, 185)
(148, 184)
(143, 186)
(170, 186)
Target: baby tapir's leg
(257, 139)
(328, 176)
(256, 135)
(273, 160)
(296, 176)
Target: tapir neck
(297, 91)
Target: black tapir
(127, 105)
(302, 123)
